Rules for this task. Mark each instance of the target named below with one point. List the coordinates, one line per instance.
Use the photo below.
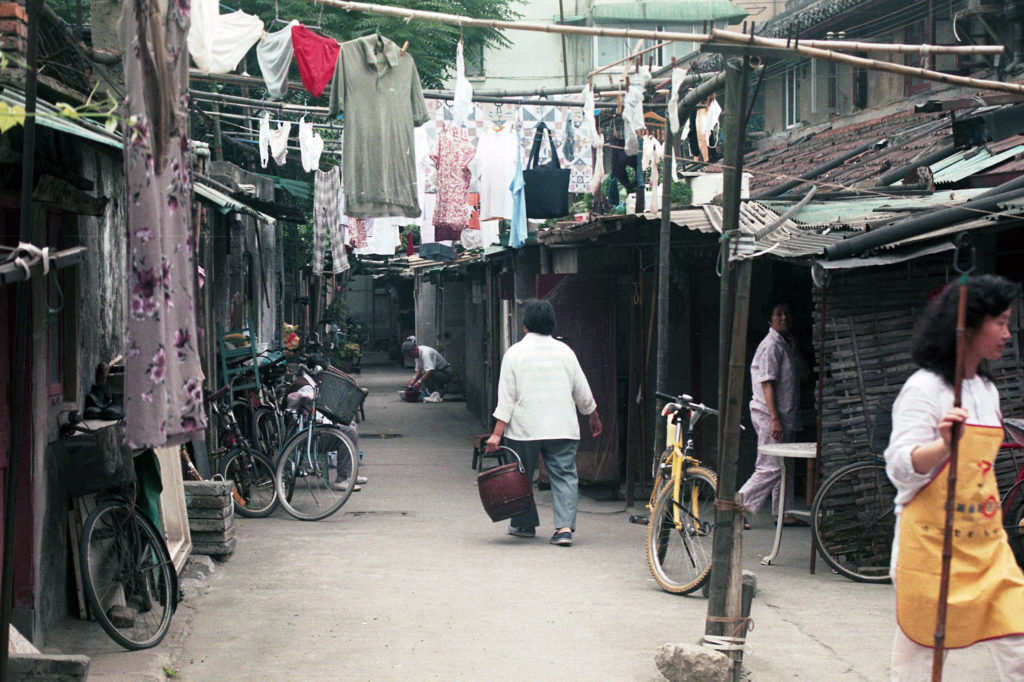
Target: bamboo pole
(954, 456)
(876, 65)
(854, 46)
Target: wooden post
(735, 305)
(664, 254)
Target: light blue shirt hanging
(517, 234)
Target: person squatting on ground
(986, 589)
(774, 411)
(432, 371)
(540, 388)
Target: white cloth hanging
(598, 176)
(311, 145)
(265, 139)
(714, 113)
(673, 99)
(279, 142)
(462, 102)
(385, 237)
(652, 160)
(217, 42)
(496, 154)
(588, 131)
(633, 109)
(274, 53)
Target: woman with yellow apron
(986, 589)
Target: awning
(668, 12)
(49, 117)
(228, 205)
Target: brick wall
(13, 28)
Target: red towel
(410, 247)
(316, 56)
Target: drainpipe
(565, 61)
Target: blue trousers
(560, 462)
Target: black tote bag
(547, 186)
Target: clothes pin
(405, 46)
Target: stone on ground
(692, 663)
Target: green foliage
(682, 194)
(298, 245)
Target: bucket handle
(522, 469)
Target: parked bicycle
(128, 578)
(317, 466)
(682, 504)
(853, 516)
(254, 494)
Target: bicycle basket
(93, 462)
(340, 396)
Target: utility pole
(734, 309)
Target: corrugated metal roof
(228, 204)
(862, 212)
(48, 116)
(968, 162)
(668, 11)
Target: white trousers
(912, 662)
(767, 477)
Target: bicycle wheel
(253, 475)
(266, 432)
(1013, 522)
(852, 521)
(680, 557)
(309, 479)
(127, 575)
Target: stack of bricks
(211, 517)
(13, 28)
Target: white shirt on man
(430, 359)
(540, 389)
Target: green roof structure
(667, 12)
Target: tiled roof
(906, 135)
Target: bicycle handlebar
(687, 400)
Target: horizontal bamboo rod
(876, 65)
(855, 46)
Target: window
(833, 87)
(610, 50)
(792, 96)
(474, 60)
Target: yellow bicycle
(682, 503)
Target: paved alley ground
(411, 581)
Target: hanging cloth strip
(518, 231)
(462, 103)
(316, 56)
(265, 139)
(385, 238)
(496, 152)
(274, 53)
(588, 130)
(673, 99)
(633, 109)
(311, 146)
(327, 217)
(279, 142)
(217, 42)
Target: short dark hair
(539, 317)
(777, 304)
(934, 344)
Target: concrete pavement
(411, 581)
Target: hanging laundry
(714, 113)
(578, 157)
(379, 91)
(588, 130)
(620, 162)
(265, 139)
(633, 109)
(311, 145)
(518, 231)
(424, 173)
(326, 215)
(386, 237)
(163, 396)
(452, 156)
(357, 232)
(427, 219)
(274, 53)
(316, 56)
(673, 99)
(217, 42)
(497, 149)
(462, 103)
(652, 155)
(279, 142)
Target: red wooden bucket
(505, 490)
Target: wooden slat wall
(868, 327)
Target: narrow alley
(411, 581)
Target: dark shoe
(793, 521)
(746, 524)
(563, 539)
(522, 532)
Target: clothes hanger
(277, 18)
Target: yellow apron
(986, 587)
